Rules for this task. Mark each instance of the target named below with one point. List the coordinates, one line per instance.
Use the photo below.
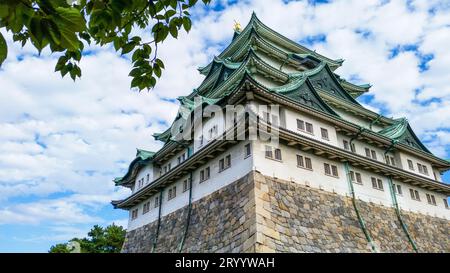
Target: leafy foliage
(99, 240)
(66, 28)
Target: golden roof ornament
(237, 26)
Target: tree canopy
(65, 26)
(99, 240)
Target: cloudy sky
(61, 143)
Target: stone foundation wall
(264, 214)
(296, 218)
(221, 222)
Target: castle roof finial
(237, 26)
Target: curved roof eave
(142, 158)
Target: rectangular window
(371, 153)
(156, 202)
(300, 125)
(397, 189)
(224, 163)
(309, 128)
(304, 162)
(358, 178)
(221, 164)
(419, 167)
(172, 193)
(327, 168)
(248, 150)
(445, 203)
(269, 153)
(185, 185)
(330, 170)
(228, 161)
(334, 170)
(134, 214)
(352, 176)
(346, 145)
(204, 174)
(410, 165)
(278, 154)
(431, 199)
(380, 184)
(355, 177)
(324, 133)
(146, 208)
(300, 161)
(377, 183)
(374, 154)
(308, 163)
(392, 160)
(414, 194)
(374, 182)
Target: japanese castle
(326, 142)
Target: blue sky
(61, 143)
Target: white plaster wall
(360, 147)
(351, 117)
(291, 124)
(240, 166)
(437, 174)
(407, 203)
(404, 159)
(288, 170)
(143, 174)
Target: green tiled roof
(396, 130)
(143, 157)
(402, 132)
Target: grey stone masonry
(263, 214)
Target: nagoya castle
(299, 166)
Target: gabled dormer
(402, 132)
(143, 158)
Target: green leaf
(157, 70)
(69, 39)
(136, 82)
(128, 48)
(160, 63)
(69, 22)
(3, 49)
(187, 24)
(170, 13)
(70, 18)
(173, 31)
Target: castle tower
(323, 174)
